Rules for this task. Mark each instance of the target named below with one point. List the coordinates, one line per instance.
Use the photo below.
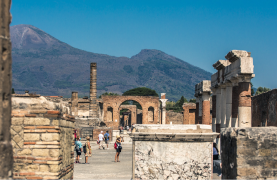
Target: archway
(150, 114)
(135, 109)
(110, 114)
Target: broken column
(172, 151)
(6, 162)
(203, 92)
(74, 103)
(163, 100)
(93, 91)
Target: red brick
(206, 112)
(53, 112)
(33, 177)
(30, 115)
(26, 143)
(29, 127)
(26, 173)
(53, 131)
(48, 127)
(52, 116)
(19, 115)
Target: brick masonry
(248, 153)
(43, 141)
(206, 113)
(264, 108)
(244, 91)
(6, 162)
(97, 131)
(114, 102)
(189, 113)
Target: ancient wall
(264, 109)
(42, 139)
(189, 113)
(172, 151)
(249, 153)
(174, 117)
(114, 102)
(5, 90)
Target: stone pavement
(102, 166)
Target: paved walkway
(102, 166)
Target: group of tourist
(86, 149)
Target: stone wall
(172, 151)
(189, 113)
(249, 153)
(6, 162)
(264, 108)
(174, 117)
(42, 139)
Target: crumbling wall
(6, 162)
(249, 153)
(174, 117)
(42, 138)
(264, 108)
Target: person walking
(107, 138)
(215, 152)
(100, 139)
(78, 147)
(118, 148)
(88, 149)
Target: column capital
(206, 97)
(163, 102)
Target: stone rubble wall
(264, 108)
(174, 117)
(173, 160)
(42, 139)
(6, 162)
(249, 153)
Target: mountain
(47, 66)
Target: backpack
(115, 145)
(106, 136)
(77, 148)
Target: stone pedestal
(172, 151)
(244, 110)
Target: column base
(244, 116)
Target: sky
(198, 32)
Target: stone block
(246, 172)
(264, 152)
(55, 123)
(54, 168)
(54, 152)
(17, 128)
(50, 137)
(37, 121)
(41, 152)
(17, 138)
(25, 152)
(31, 137)
(17, 121)
(43, 168)
(31, 168)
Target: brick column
(6, 162)
(223, 106)
(93, 90)
(229, 89)
(74, 103)
(244, 110)
(197, 111)
(206, 108)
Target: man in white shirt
(100, 139)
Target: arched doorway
(136, 111)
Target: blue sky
(198, 32)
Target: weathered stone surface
(17, 121)
(25, 152)
(31, 137)
(41, 152)
(54, 152)
(54, 168)
(37, 121)
(31, 168)
(43, 168)
(50, 137)
(248, 153)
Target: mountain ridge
(48, 66)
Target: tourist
(127, 128)
(132, 127)
(88, 149)
(78, 147)
(107, 138)
(100, 139)
(215, 152)
(118, 148)
(75, 134)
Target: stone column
(218, 109)
(235, 105)
(6, 162)
(93, 91)
(223, 106)
(206, 108)
(214, 110)
(74, 103)
(229, 91)
(244, 109)
(197, 110)
(163, 100)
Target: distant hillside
(47, 66)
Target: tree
(180, 102)
(13, 91)
(109, 94)
(192, 100)
(140, 91)
(261, 90)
